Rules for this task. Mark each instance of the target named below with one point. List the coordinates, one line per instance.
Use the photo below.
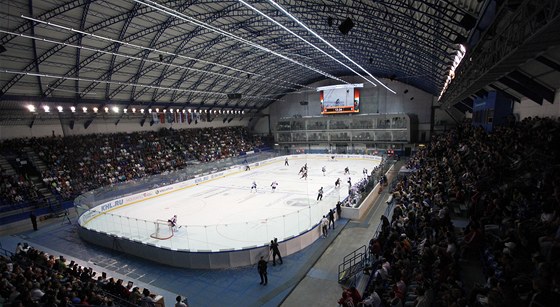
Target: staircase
(49, 199)
(6, 167)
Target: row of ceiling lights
(456, 61)
(116, 109)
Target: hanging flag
(162, 118)
(155, 118)
(189, 117)
(169, 117)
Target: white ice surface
(224, 213)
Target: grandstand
(140, 140)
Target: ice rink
(225, 214)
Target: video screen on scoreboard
(337, 99)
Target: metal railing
(352, 266)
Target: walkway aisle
(320, 285)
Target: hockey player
(324, 170)
(254, 186)
(304, 175)
(320, 194)
(337, 183)
(274, 184)
(173, 222)
(346, 171)
(286, 162)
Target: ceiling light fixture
(109, 82)
(305, 41)
(138, 47)
(184, 17)
(460, 54)
(328, 44)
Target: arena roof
(203, 54)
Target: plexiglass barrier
(104, 194)
(217, 237)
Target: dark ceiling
(195, 54)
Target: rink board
(222, 223)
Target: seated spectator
(371, 300)
(147, 300)
(346, 299)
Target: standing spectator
(331, 218)
(324, 226)
(338, 210)
(261, 266)
(275, 251)
(33, 218)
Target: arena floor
(225, 214)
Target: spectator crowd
(507, 186)
(77, 164)
(31, 277)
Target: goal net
(163, 230)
